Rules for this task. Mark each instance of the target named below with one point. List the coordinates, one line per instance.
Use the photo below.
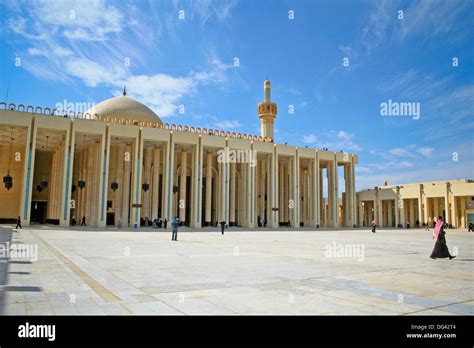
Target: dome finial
(124, 91)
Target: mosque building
(119, 164)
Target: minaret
(267, 112)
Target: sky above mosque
(389, 80)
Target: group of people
(176, 223)
(74, 221)
(159, 222)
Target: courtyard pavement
(329, 272)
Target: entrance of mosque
(38, 212)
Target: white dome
(124, 107)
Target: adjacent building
(422, 203)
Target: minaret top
(267, 88)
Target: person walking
(440, 250)
(427, 227)
(374, 225)
(471, 227)
(165, 223)
(83, 221)
(18, 223)
(222, 226)
(174, 225)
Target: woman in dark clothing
(440, 249)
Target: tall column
(156, 182)
(397, 207)
(146, 178)
(404, 207)
(169, 183)
(446, 205)
(251, 194)
(67, 178)
(462, 208)
(136, 182)
(182, 186)
(435, 209)
(389, 213)
(243, 192)
(286, 191)
(121, 185)
(333, 193)
(52, 184)
(273, 188)
(454, 212)
(226, 189)
(281, 194)
(263, 188)
(347, 198)
(412, 213)
(315, 193)
(269, 177)
(295, 211)
(379, 210)
(292, 196)
(311, 196)
(28, 171)
(353, 193)
(126, 199)
(426, 210)
(383, 210)
(303, 199)
(208, 188)
(233, 173)
(361, 205)
(420, 206)
(322, 204)
(198, 185)
(86, 169)
(330, 205)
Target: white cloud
(426, 151)
(227, 124)
(430, 16)
(80, 40)
(310, 139)
(83, 20)
(341, 140)
(437, 172)
(92, 73)
(205, 10)
(33, 51)
(160, 92)
(399, 152)
(374, 32)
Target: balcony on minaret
(267, 109)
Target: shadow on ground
(5, 237)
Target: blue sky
(85, 51)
